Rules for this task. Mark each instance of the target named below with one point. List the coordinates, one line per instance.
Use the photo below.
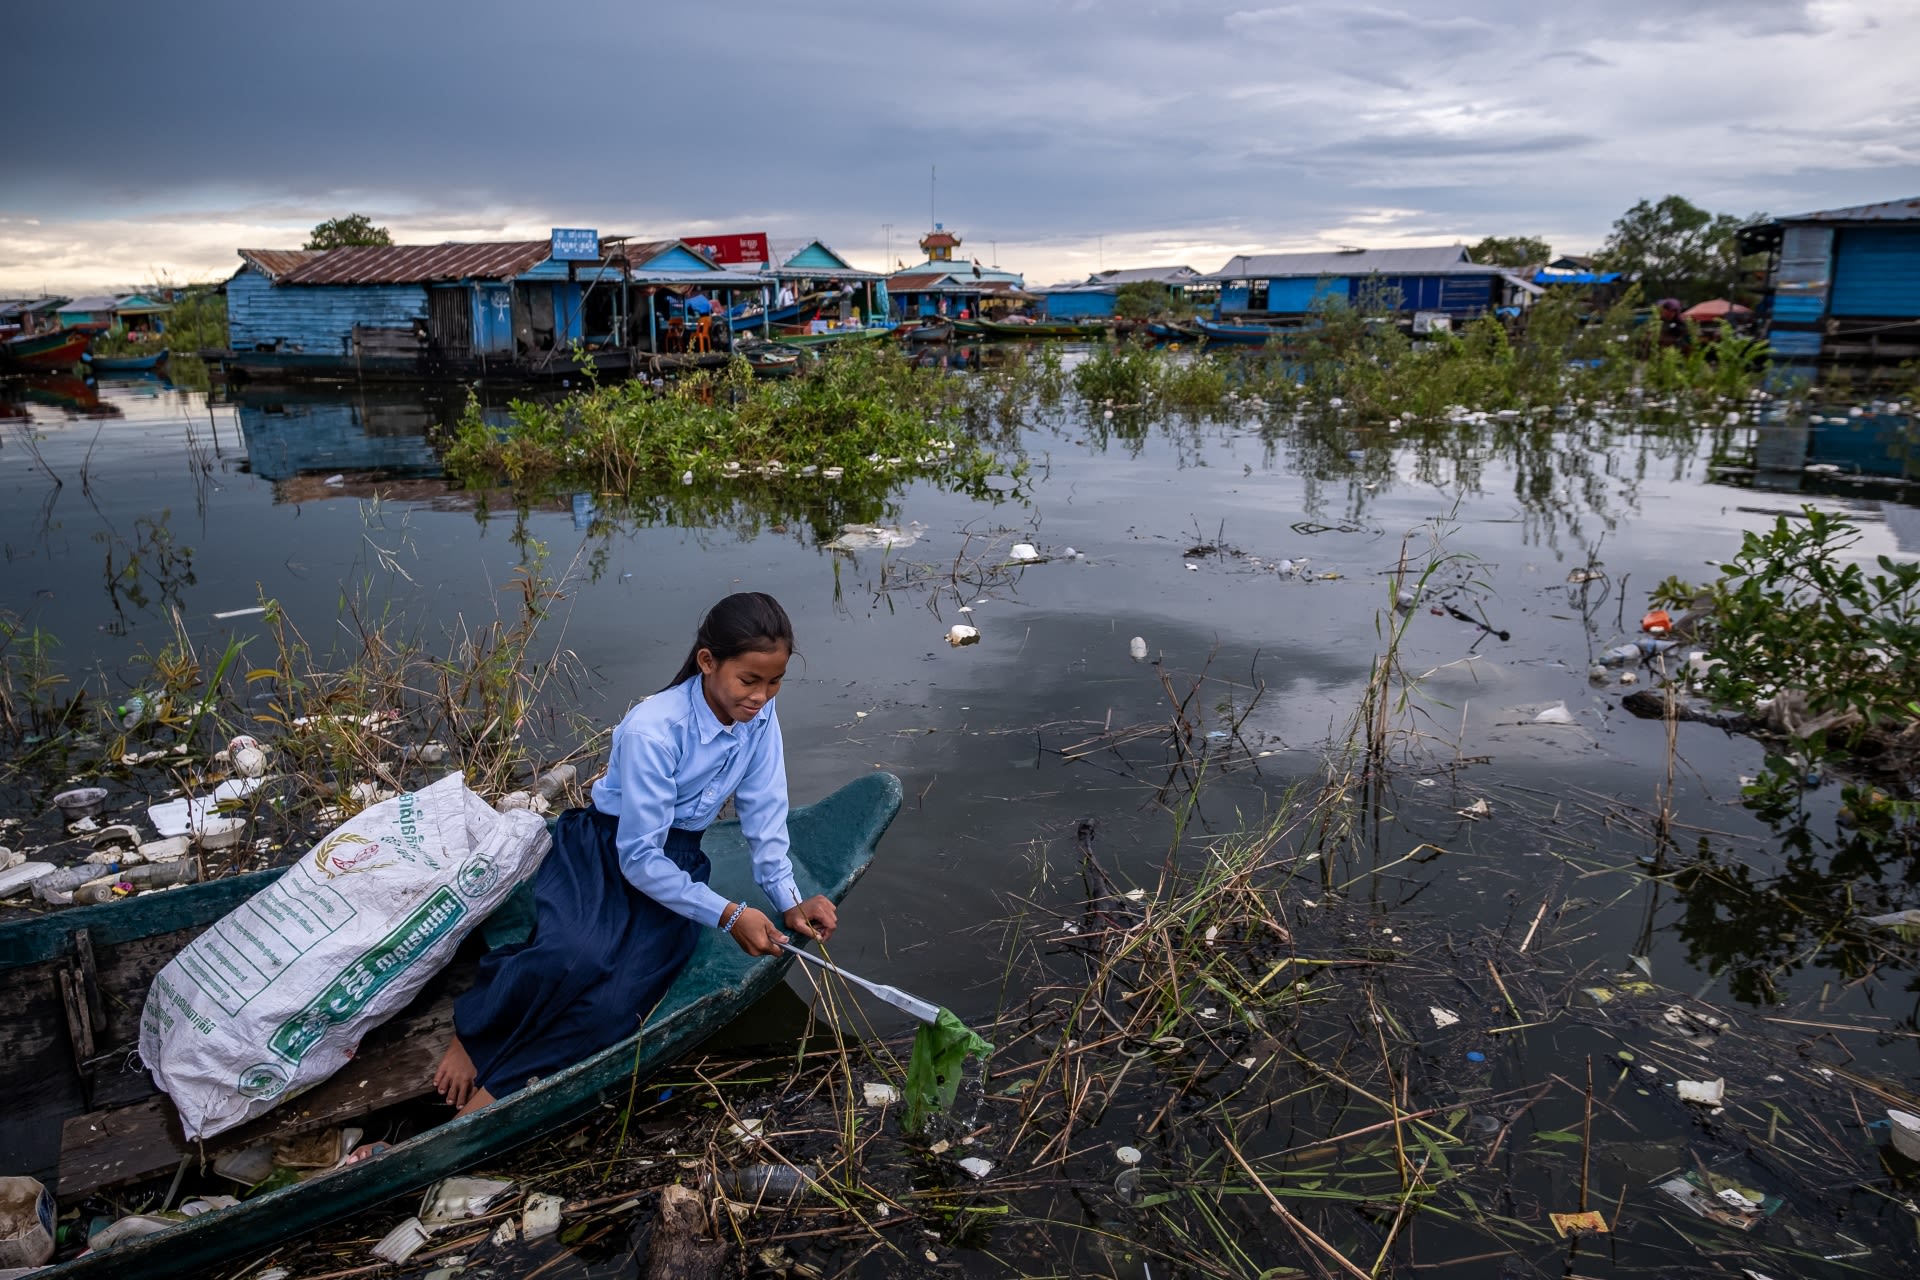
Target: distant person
(786, 295)
(846, 305)
(1673, 325)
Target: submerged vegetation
(854, 416)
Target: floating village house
(30, 315)
(134, 312)
(1096, 297)
(1436, 281)
(1843, 285)
(509, 308)
(814, 271)
(948, 283)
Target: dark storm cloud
(1048, 122)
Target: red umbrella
(1716, 309)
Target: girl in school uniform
(623, 895)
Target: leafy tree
(1511, 251)
(348, 229)
(1144, 299)
(1677, 249)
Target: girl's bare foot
(477, 1099)
(456, 1076)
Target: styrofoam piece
(181, 817)
(452, 1199)
(402, 1242)
(541, 1217)
(1906, 1133)
(1708, 1093)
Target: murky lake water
(1182, 527)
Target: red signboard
(733, 251)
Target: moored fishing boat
(44, 350)
(1042, 329)
(830, 337)
(929, 331)
(82, 1116)
(128, 364)
(1244, 334)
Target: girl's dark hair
(746, 622)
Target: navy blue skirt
(601, 955)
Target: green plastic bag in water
(933, 1073)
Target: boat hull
(1000, 329)
(128, 364)
(834, 842)
(1243, 334)
(44, 351)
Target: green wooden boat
(1042, 329)
(81, 1116)
(832, 336)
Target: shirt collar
(705, 724)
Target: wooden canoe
(832, 337)
(1246, 334)
(928, 331)
(80, 1115)
(45, 350)
(128, 364)
(1042, 329)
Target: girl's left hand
(815, 918)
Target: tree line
(1673, 247)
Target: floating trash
(1706, 1093)
(1555, 714)
(81, 802)
(960, 633)
(1023, 551)
(1137, 649)
(977, 1167)
(876, 537)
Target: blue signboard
(576, 244)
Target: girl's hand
(815, 918)
(756, 934)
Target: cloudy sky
(1066, 135)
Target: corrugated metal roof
(1906, 210)
(912, 281)
(274, 263)
(1144, 275)
(420, 263)
(98, 302)
(1425, 260)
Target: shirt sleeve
(644, 770)
(761, 801)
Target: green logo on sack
(360, 981)
(262, 1080)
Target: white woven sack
(275, 997)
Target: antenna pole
(933, 181)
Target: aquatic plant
(854, 415)
(1818, 648)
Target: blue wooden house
(133, 312)
(460, 310)
(813, 269)
(1843, 285)
(1441, 279)
(1096, 297)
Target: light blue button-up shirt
(673, 764)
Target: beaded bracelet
(726, 926)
